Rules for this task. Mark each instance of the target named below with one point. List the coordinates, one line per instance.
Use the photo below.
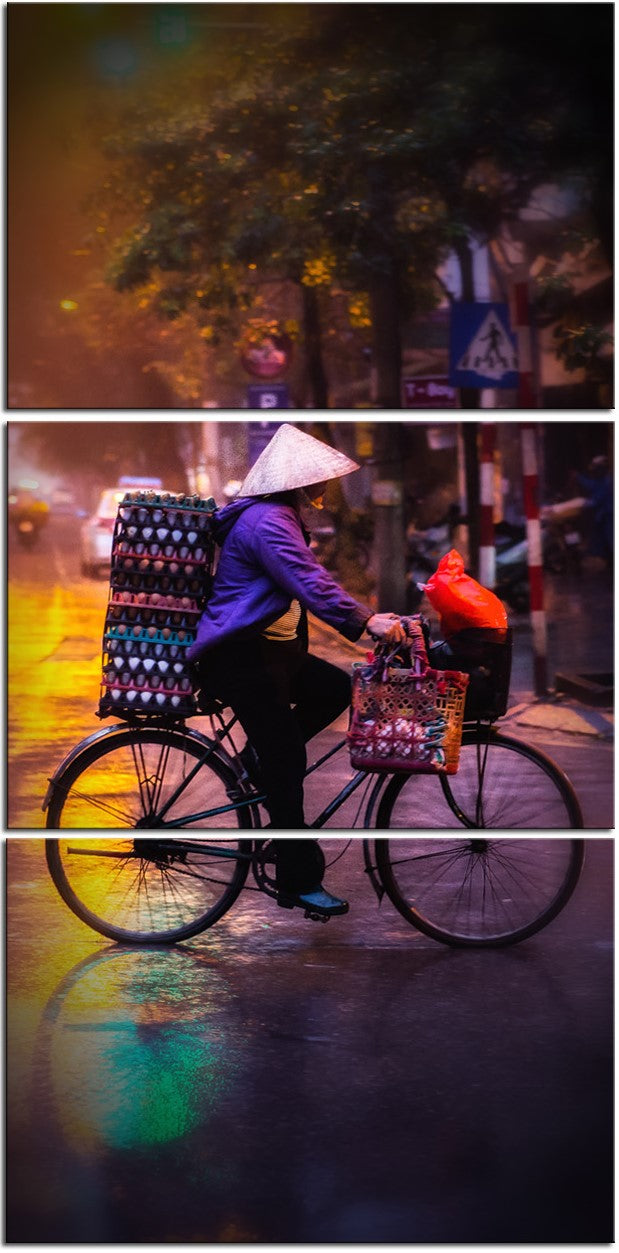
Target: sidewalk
(580, 623)
(560, 713)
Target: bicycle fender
(371, 868)
(106, 733)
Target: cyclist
(251, 647)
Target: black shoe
(318, 903)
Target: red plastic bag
(460, 600)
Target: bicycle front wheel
(479, 892)
(148, 891)
(142, 777)
(501, 784)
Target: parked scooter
(425, 549)
(563, 543)
(511, 568)
(562, 550)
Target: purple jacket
(264, 563)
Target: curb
(562, 715)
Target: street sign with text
(429, 391)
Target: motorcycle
(563, 543)
(425, 549)
(28, 522)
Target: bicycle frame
(215, 850)
(257, 798)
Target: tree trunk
(470, 399)
(464, 254)
(386, 344)
(316, 374)
(389, 528)
(471, 477)
(384, 290)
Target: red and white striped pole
(487, 550)
(530, 481)
(520, 316)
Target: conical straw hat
(294, 459)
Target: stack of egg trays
(162, 552)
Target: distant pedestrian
(251, 648)
(597, 485)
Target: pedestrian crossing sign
(483, 351)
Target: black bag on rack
(485, 654)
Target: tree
(371, 143)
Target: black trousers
(282, 697)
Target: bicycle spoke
(148, 891)
(125, 817)
(501, 784)
(479, 890)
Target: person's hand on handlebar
(387, 627)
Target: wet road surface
(277, 1080)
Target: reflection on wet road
(276, 1080)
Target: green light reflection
(141, 1050)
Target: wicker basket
(406, 720)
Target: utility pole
(208, 472)
(388, 504)
(487, 550)
(530, 479)
(521, 320)
(471, 477)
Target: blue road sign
(268, 396)
(482, 350)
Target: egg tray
(150, 509)
(145, 683)
(145, 609)
(124, 702)
(145, 640)
(146, 675)
(154, 604)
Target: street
(276, 1080)
(55, 627)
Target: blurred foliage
(343, 149)
(579, 347)
(100, 453)
(359, 149)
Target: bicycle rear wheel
(479, 892)
(125, 779)
(501, 784)
(148, 891)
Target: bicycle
(464, 892)
(160, 773)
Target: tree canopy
(348, 148)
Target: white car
(97, 531)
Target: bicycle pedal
(309, 913)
